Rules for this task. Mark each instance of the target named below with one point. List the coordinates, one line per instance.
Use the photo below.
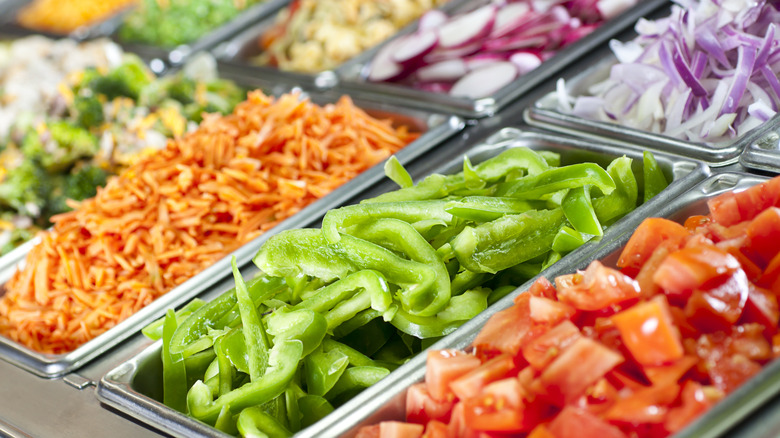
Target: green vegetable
(128, 80)
(59, 146)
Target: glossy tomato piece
(580, 365)
(694, 401)
(762, 308)
(648, 332)
(672, 372)
(574, 422)
(544, 349)
(542, 288)
(644, 278)
(725, 361)
(692, 268)
(719, 307)
(507, 330)
(646, 238)
(694, 223)
(457, 427)
(644, 406)
(443, 367)
(550, 312)
(421, 408)
(500, 408)
(541, 431)
(599, 288)
(368, 432)
(398, 429)
(472, 383)
(435, 429)
(731, 208)
(770, 278)
(764, 234)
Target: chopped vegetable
(706, 73)
(171, 214)
(383, 279)
(315, 35)
(476, 53)
(612, 364)
(65, 16)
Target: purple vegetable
(415, 46)
(467, 28)
(485, 81)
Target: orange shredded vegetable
(174, 213)
(65, 16)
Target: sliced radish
(485, 81)
(525, 61)
(443, 55)
(415, 46)
(442, 71)
(467, 28)
(383, 67)
(434, 87)
(512, 43)
(432, 19)
(482, 59)
(509, 18)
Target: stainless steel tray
(244, 46)
(579, 79)
(764, 153)
(352, 74)
(435, 127)
(390, 393)
(134, 387)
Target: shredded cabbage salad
(706, 73)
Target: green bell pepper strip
(322, 369)
(190, 337)
(552, 257)
(488, 208)
(339, 291)
(225, 421)
(556, 179)
(432, 187)
(567, 240)
(302, 251)
(282, 365)
(471, 178)
(292, 394)
(226, 370)
(411, 211)
(304, 325)
(354, 357)
(493, 169)
(500, 292)
(357, 378)
(654, 178)
(357, 321)
(197, 364)
(255, 423)
(505, 242)
(397, 235)
(255, 338)
(153, 331)
(621, 201)
(313, 408)
(461, 308)
(553, 159)
(174, 371)
(397, 173)
(466, 280)
(578, 208)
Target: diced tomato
(695, 222)
(672, 372)
(599, 288)
(693, 268)
(422, 408)
(500, 408)
(457, 427)
(695, 400)
(444, 366)
(368, 432)
(398, 429)
(574, 422)
(748, 340)
(769, 278)
(507, 330)
(719, 307)
(620, 379)
(720, 233)
(648, 235)
(471, 384)
(544, 349)
(776, 346)
(547, 311)
(541, 431)
(726, 370)
(648, 332)
(580, 365)
(731, 208)
(762, 308)
(764, 234)
(435, 429)
(645, 405)
(644, 277)
(542, 288)
(752, 270)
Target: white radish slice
(383, 67)
(442, 71)
(467, 28)
(415, 46)
(432, 19)
(525, 61)
(512, 43)
(442, 55)
(485, 81)
(509, 18)
(482, 59)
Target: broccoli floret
(181, 89)
(26, 189)
(89, 111)
(83, 183)
(126, 80)
(60, 146)
(221, 97)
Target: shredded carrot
(174, 213)
(65, 16)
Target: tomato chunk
(646, 405)
(695, 400)
(444, 366)
(399, 429)
(544, 349)
(435, 429)
(546, 311)
(764, 234)
(471, 384)
(574, 422)
(718, 308)
(500, 408)
(421, 407)
(693, 267)
(762, 308)
(599, 288)
(542, 288)
(648, 235)
(648, 332)
(731, 208)
(509, 329)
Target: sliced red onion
(760, 110)
(485, 81)
(415, 46)
(467, 28)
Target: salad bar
(389, 218)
